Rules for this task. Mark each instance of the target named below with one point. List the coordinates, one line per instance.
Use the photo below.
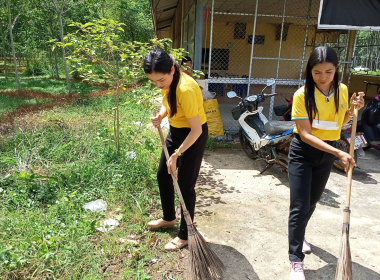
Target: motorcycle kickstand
(270, 163)
(267, 167)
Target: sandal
(161, 223)
(176, 244)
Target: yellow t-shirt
(189, 102)
(326, 111)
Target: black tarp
(349, 14)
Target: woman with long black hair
(320, 108)
(186, 141)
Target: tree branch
(62, 6)
(55, 5)
(15, 19)
(76, 4)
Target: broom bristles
(344, 267)
(204, 264)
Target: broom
(204, 263)
(344, 267)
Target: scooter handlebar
(269, 95)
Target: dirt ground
(244, 215)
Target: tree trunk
(103, 14)
(13, 46)
(64, 53)
(4, 52)
(132, 33)
(117, 119)
(55, 50)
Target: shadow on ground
(210, 190)
(328, 271)
(237, 265)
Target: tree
(100, 43)
(11, 26)
(2, 27)
(136, 15)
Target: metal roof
(163, 12)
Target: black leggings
(309, 170)
(189, 165)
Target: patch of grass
(214, 143)
(48, 85)
(47, 174)
(10, 103)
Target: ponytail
(172, 96)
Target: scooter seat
(278, 127)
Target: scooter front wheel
(246, 145)
(343, 145)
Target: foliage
(137, 19)
(367, 51)
(36, 65)
(99, 43)
(37, 23)
(49, 86)
(375, 73)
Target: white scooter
(260, 138)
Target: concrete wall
(357, 84)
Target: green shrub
(37, 65)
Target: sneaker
(306, 248)
(296, 271)
(160, 223)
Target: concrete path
(245, 215)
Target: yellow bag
(214, 121)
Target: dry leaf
(152, 239)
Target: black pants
(189, 165)
(309, 170)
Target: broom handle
(352, 150)
(174, 179)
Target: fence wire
(283, 34)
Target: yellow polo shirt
(189, 102)
(326, 111)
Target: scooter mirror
(231, 94)
(270, 82)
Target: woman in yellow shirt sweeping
(182, 101)
(320, 109)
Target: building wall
(240, 50)
(164, 33)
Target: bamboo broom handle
(174, 179)
(352, 150)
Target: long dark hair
(159, 61)
(317, 56)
